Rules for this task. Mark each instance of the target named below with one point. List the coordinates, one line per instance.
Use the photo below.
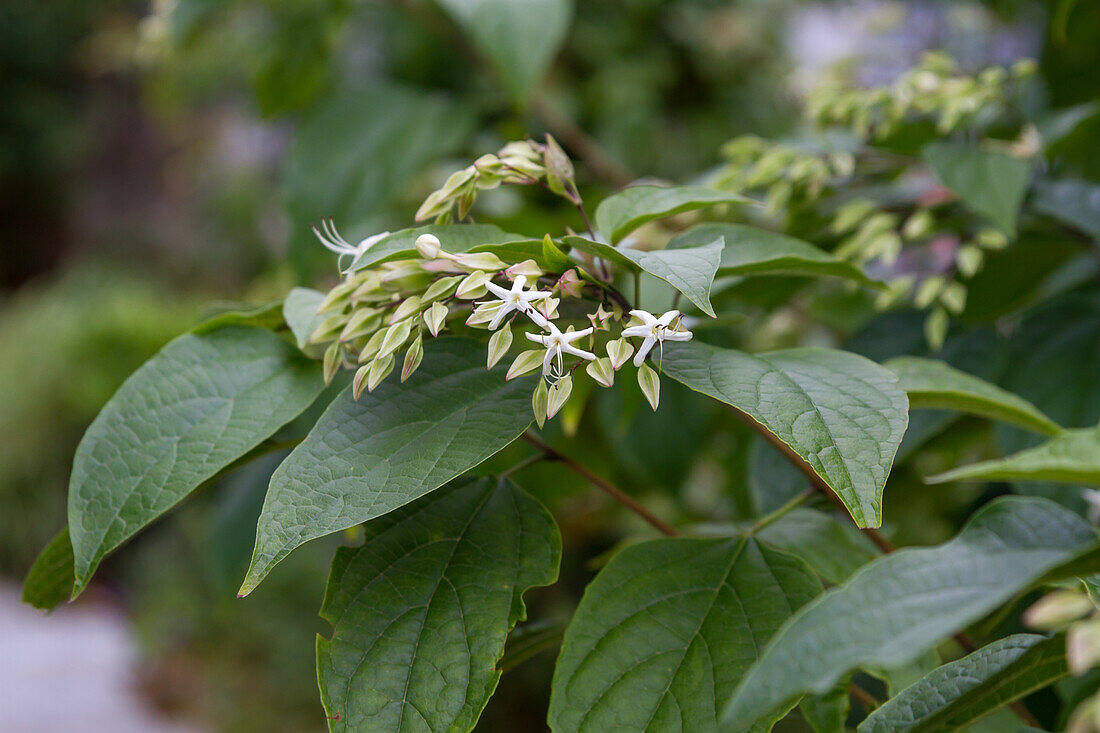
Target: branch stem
(598, 160)
(603, 484)
(777, 514)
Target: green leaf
(621, 213)
(829, 712)
(520, 39)
(689, 270)
(420, 611)
(452, 238)
(753, 251)
(202, 402)
(833, 549)
(355, 152)
(666, 630)
(549, 259)
(364, 459)
(991, 184)
(901, 605)
(931, 383)
(1076, 203)
(300, 312)
(842, 414)
(1072, 456)
(961, 692)
(50, 580)
(269, 316)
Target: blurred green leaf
(300, 311)
(900, 605)
(991, 184)
(842, 414)
(833, 549)
(959, 693)
(201, 403)
(1076, 203)
(666, 630)
(623, 212)
(931, 383)
(754, 251)
(50, 580)
(356, 152)
(689, 270)
(1072, 456)
(421, 610)
(364, 459)
(520, 39)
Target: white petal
(498, 291)
(638, 332)
(676, 336)
(578, 352)
(644, 349)
(648, 318)
(667, 318)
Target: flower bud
(528, 268)
(409, 307)
(473, 286)
(428, 246)
(434, 317)
(1083, 646)
(539, 401)
(499, 343)
(1057, 609)
(441, 288)
(395, 337)
(525, 363)
(650, 384)
(359, 383)
(619, 351)
(570, 284)
(413, 357)
(480, 261)
(558, 395)
(601, 371)
(380, 368)
(332, 360)
(373, 344)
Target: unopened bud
(601, 371)
(528, 268)
(619, 351)
(413, 357)
(428, 246)
(558, 395)
(570, 284)
(650, 384)
(473, 286)
(434, 317)
(1057, 609)
(1083, 646)
(525, 363)
(480, 261)
(499, 343)
(380, 368)
(539, 401)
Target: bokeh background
(160, 160)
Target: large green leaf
(300, 311)
(356, 152)
(364, 459)
(689, 270)
(421, 610)
(834, 549)
(842, 414)
(957, 694)
(899, 606)
(201, 403)
(1072, 455)
(50, 580)
(1072, 202)
(753, 251)
(623, 212)
(991, 184)
(519, 37)
(666, 630)
(452, 237)
(931, 383)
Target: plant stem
(600, 482)
(865, 698)
(528, 461)
(776, 514)
(587, 222)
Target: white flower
(334, 242)
(556, 344)
(517, 299)
(654, 330)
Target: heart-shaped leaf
(1072, 456)
(421, 610)
(753, 251)
(842, 414)
(689, 270)
(364, 459)
(621, 213)
(902, 604)
(956, 694)
(991, 184)
(201, 403)
(931, 383)
(666, 630)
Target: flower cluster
(380, 310)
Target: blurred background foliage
(159, 157)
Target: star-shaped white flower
(517, 299)
(336, 243)
(654, 330)
(558, 343)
